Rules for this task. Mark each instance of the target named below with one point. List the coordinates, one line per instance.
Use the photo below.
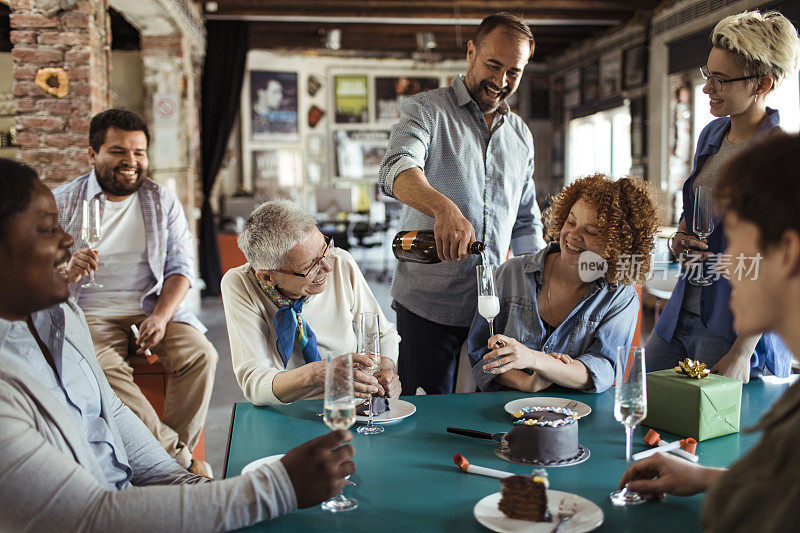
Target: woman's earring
(756, 98)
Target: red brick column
(52, 132)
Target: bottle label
(407, 240)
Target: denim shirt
(76, 386)
(715, 312)
(486, 172)
(601, 321)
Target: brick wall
(52, 132)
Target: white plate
(588, 516)
(398, 409)
(259, 462)
(513, 406)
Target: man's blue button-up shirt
(487, 173)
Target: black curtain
(221, 87)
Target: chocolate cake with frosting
(380, 404)
(543, 435)
(524, 498)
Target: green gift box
(689, 407)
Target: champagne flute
(488, 302)
(339, 412)
(630, 408)
(90, 232)
(703, 224)
(369, 344)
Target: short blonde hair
(273, 229)
(767, 42)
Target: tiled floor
(226, 389)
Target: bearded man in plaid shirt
(144, 265)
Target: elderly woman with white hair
(292, 303)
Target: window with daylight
(599, 143)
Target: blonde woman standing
(752, 53)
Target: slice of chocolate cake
(525, 498)
(380, 404)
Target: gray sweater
(49, 474)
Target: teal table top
(407, 481)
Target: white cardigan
(250, 315)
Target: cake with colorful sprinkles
(543, 435)
(525, 498)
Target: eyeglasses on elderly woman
(315, 266)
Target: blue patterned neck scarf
(289, 323)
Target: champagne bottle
(420, 247)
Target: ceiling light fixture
(333, 39)
(426, 41)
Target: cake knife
(477, 434)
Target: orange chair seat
(152, 380)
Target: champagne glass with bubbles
(339, 412)
(488, 302)
(90, 232)
(369, 344)
(630, 408)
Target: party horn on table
(688, 444)
(659, 449)
(462, 463)
(151, 357)
(654, 439)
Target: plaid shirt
(170, 245)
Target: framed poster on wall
(273, 106)
(351, 99)
(634, 63)
(277, 173)
(638, 109)
(611, 74)
(590, 82)
(359, 152)
(391, 92)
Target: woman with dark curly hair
(560, 324)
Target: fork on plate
(571, 405)
(566, 510)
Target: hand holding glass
(339, 412)
(90, 231)
(369, 344)
(630, 408)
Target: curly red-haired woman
(560, 320)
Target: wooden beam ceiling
(378, 27)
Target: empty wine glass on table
(703, 225)
(339, 412)
(630, 408)
(369, 344)
(90, 231)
